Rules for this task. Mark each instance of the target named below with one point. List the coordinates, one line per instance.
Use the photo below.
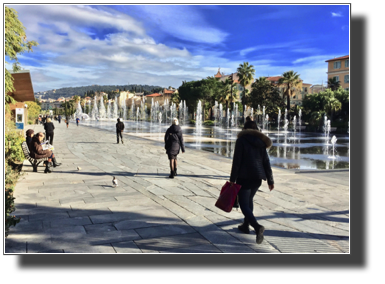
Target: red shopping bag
(227, 196)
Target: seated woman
(29, 134)
(37, 152)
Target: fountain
(124, 110)
(95, 111)
(102, 108)
(333, 141)
(79, 111)
(299, 119)
(326, 129)
(284, 153)
(115, 110)
(198, 121)
(294, 125)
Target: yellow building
(239, 88)
(298, 96)
(339, 68)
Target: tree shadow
(95, 230)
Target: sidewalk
(78, 211)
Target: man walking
(119, 130)
(77, 121)
(59, 118)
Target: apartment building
(339, 68)
(298, 95)
(239, 88)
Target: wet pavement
(75, 210)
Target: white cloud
(183, 22)
(336, 14)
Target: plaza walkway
(78, 211)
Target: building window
(337, 65)
(346, 89)
(346, 79)
(347, 63)
(337, 78)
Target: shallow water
(290, 150)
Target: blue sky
(167, 44)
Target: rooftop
(338, 58)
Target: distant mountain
(90, 90)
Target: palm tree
(291, 82)
(332, 105)
(333, 83)
(228, 94)
(245, 74)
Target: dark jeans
(119, 133)
(245, 198)
(49, 136)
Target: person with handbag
(173, 140)
(251, 165)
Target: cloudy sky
(167, 44)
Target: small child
(114, 182)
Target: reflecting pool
(299, 150)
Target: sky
(81, 45)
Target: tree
(33, 110)
(228, 94)
(333, 84)
(15, 43)
(291, 83)
(245, 74)
(343, 96)
(263, 92)
(332, 105)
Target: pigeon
(114, 182)
(79, 168)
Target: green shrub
(12, 147)
(11, 177)
(192, 121)
(209, 123)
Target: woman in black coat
(251, 165)
(173, 140)
(49, 127)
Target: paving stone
(79, 211)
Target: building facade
(339, 68)
(239, 88)
(297, 96)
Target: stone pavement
(78, 211)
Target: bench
(34, 162)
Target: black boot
(55, 164)
(175, 172)
(172, 174)
(244, 228)
(259, 231)
(48, 167)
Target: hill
(89, 90)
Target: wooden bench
(34, 162)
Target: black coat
(49, 127)
(250, 159)
(119, 126)
(173, 140)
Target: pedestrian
(49, 127)
(173, 140)
(67, 120)
(28, 136)
(119, 130)
(251, 165)
(59, 118)
(37, 152)
(77, 121)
